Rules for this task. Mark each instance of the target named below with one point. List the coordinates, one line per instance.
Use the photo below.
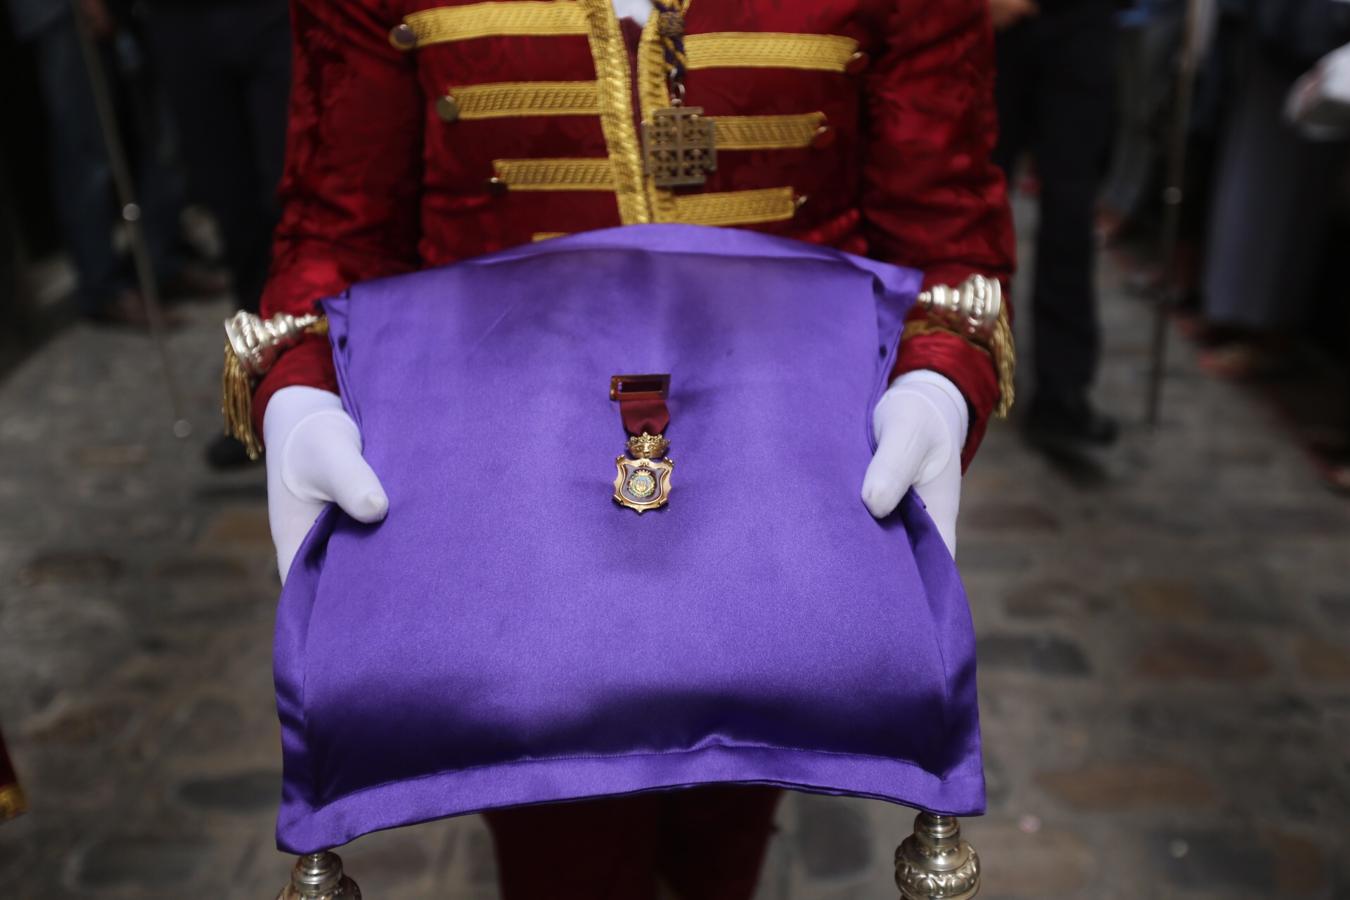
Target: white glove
(920, 424)
(314, 458)
(1319, 103)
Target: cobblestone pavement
(1165, 659)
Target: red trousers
(707, 843)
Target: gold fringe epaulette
(252, 345)
(236, 403)
(976, 312)
(1004, 349)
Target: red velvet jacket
(422, 133)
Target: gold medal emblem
(643, 480)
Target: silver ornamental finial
(934, 863)
(318, 876)
(971, 310)
(257, 342)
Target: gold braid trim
(527, 98)
(1002, 350)
(769, 50)
(654, 94)
(12, 802)
(523, 18)
(670, 44)
(616, 110)
(239, 377)
(546, 236)
(766, 132)
(731, 208)
(555, 174)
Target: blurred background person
(226, 68)
(1154, 38)
(1273, 196)
(1319, 107)
(1056, 94)
(82, 177)
(1255, 277)
(1149, 42)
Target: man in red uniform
(424, 133)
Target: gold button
(824, 138)
(403, 37)
(857, 63)
(496, 187)
(447, 108)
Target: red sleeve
(933, 199)
(353, 172)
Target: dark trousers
(83, 185)
(707, 843)
(1056, 91)
(227, 71)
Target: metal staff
(1198, 12)
(131, 215)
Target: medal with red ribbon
(643, 479)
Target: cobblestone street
(1164, 653)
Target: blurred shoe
(1248, 361)
(195, 281)
(1068, 424)
(224, 453)
(127, 309)
(1139, 278)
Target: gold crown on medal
(647, 446)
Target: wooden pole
(1174, 197)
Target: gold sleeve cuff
(974, 311)
(252, 345)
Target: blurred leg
(1015, 92)
(713, 840)
(1075, 104)
(208, 107)
(82, 178)
(1144, 94)
(592, 850)
(1270, 215)
(268, 74)
(149, 130)
(1135, 151)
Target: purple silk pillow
(511, 635)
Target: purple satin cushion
(510, 635)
